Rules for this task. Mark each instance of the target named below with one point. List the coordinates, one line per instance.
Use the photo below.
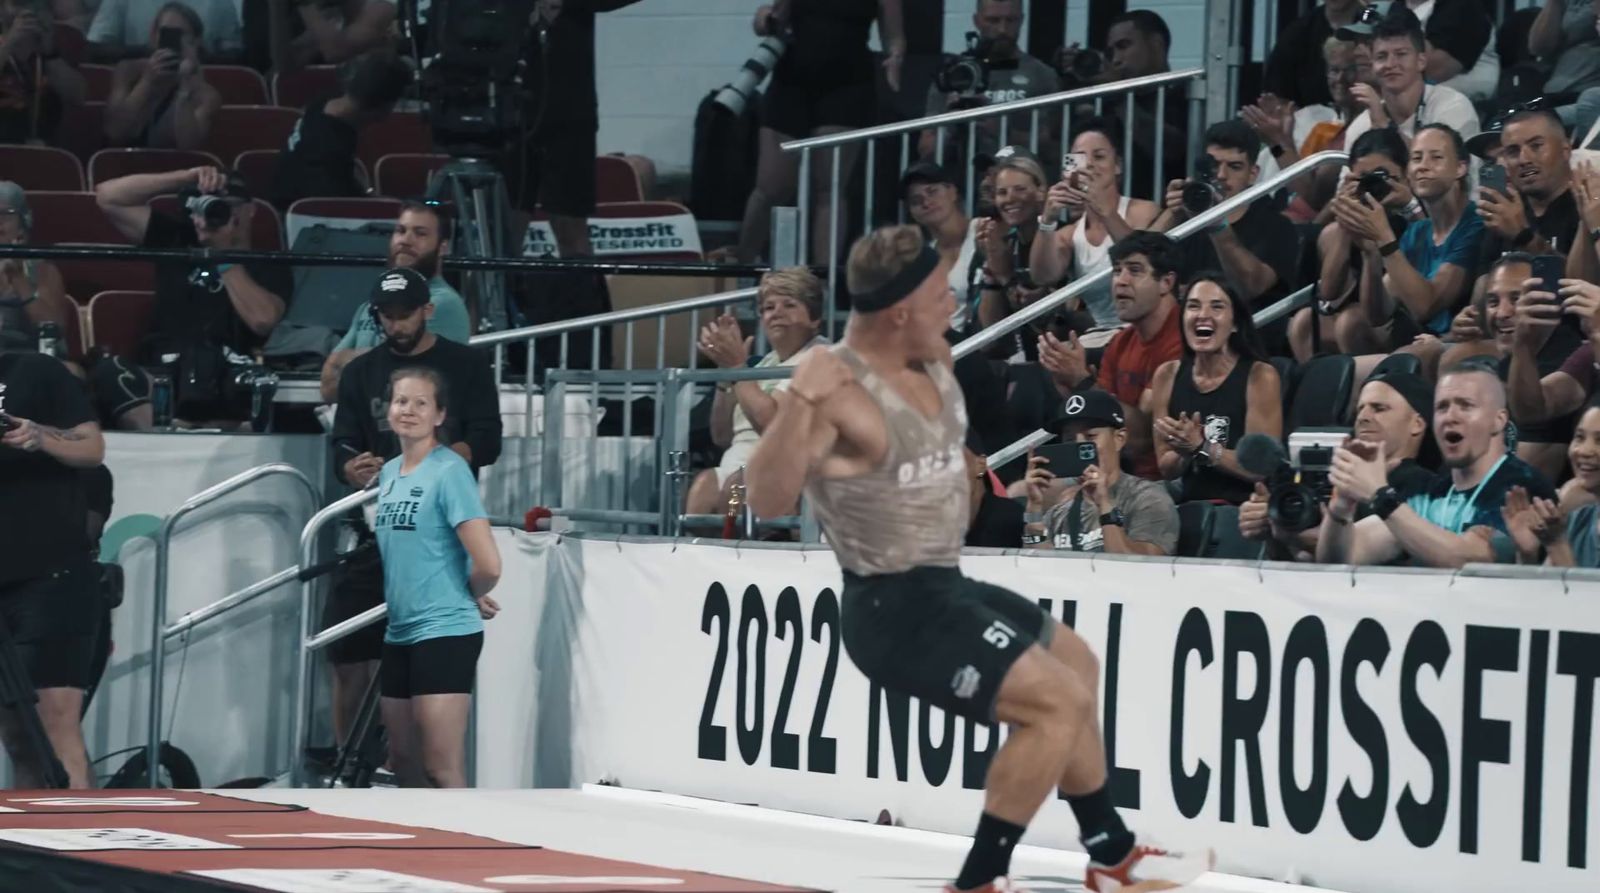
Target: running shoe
(1153, 866)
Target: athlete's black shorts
(939, 636)
(54, 620)
(796, 108)
(555, 171)
(447, 665)
(357, 587)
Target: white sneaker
(1149, 867)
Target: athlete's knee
(1041, 691)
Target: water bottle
(50, 340)
(161, 400)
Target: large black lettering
(1363, 816)
(898, 708)
(1579, 657)
(785, 744)
(936, 757)
(1533, 745)
(821, 750)
(1188, 791)
(714, 738)
(753, 619)
(1124, 781)
(1243, 717)
(1482, 740)
(1308, 643)
(1422, 822)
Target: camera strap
(1074, 519)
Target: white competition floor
(704, 835)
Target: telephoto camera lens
(1294, 507)
(213, 209)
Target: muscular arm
(82, 446)
(259, 308)
(124, 200)
(1253, 277)
(333, 367)
(777, 471)
(1433, 546)
(1366, 541)
(478, 539)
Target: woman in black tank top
(1222, 389)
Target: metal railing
(971, 118)
(160, 631)
(1053, 301)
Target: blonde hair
(794, 282)
(1023, 165)
(880, 255)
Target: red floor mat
(228, 844)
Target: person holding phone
(1534, 210)
(36, 83)
(163, 101)
(440, 563)
(1096, 507)
(1537, 395)
(1084, 213)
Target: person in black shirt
(996, 521)
(320, 159)
(1256, 247)
(205, 317)
(1296, 70)
(49, 603)
(362, 441)
(1538, 214)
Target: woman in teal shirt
(439, 564)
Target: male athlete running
(872, 430)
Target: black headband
(904, 283)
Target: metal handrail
(159, 629)
(1048, 304)
(544, 330)
(302, 689)
(993, 111)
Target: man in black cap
(1394, 409)
(362, 442)
(207, 317)
(1101, 510)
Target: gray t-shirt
(1577, 63)
(1148, 508)
(1582, 536)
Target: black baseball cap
(402, 288)
(1410, 386)
(926, 172)
(1481, 142)
(1092, 408)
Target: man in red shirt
(1144, 283)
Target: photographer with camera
(1458, 519)
(1085, 213)
(163, 101)
(1098, 509)
(1393, 410)
(362, 441)
(994, 69)
(208, 319)
(1411, 283)
(35, 81)
(1255, 246)
(51, 606)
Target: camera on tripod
(472, 69)
(967, 75)
(1204, 189)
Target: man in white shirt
(1403, 97)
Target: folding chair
(237, 84)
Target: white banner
(609, 236)
(1389, 732)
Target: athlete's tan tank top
(911, 510)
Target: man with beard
(402, 302)
(420, 241)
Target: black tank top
(1222, 411)
(828, 45)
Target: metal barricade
(161, 632)
(1000, 113)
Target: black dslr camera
(1204, 189)
(1376, 183)
(1300, 487)
(215, 210)
(967, 75)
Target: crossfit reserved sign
(1393, 730)
(636, 236)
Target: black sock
(1100, 828)
(990, 856)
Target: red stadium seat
(616, 181)
(98, 80)
(70, 43)
(119, 319)
(240, 128)
(296, 88)
(266, 230)
(407, 176)
(86, 278)
(41, 167)
(70, 217)
(237, 84)
(74, 334)
(110, 164)
(83, 129)
(402, 132)
(257, 167)
(308, 211)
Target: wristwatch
(1032, 539)
(1385, 502)
(1113, 517)
(1389, 247)
(1048, 225)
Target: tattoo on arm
(69, 434)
